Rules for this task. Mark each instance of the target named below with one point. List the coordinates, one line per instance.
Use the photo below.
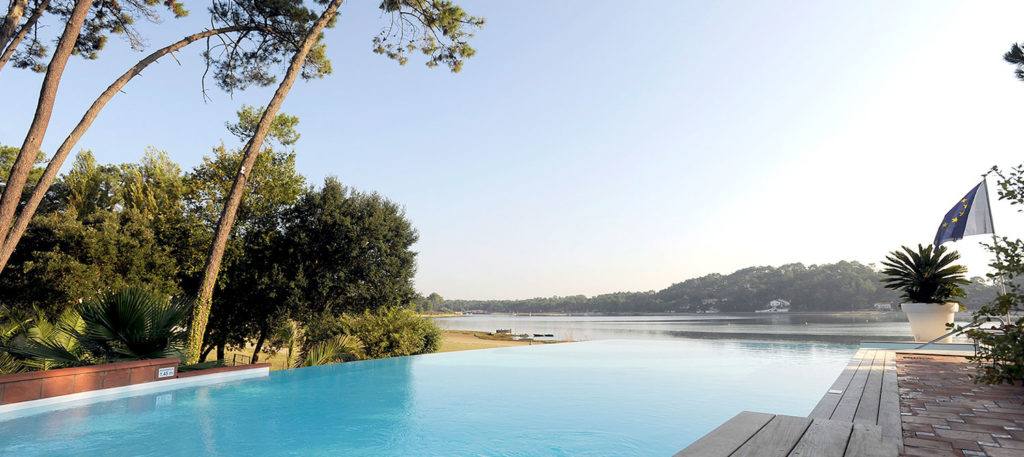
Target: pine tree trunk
(221, 350)
(201, 312)
(44, 107)
(22, 31)
(10, 24)
(25, 216)
(259, 346)
(206, 353)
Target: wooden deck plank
(728, 437)
(824, 438)
(889, 407)
(827, 405)
(867, 408)
(847, 407)
(863, 421)
(777, 439)
(866, 441)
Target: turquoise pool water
(601, 398)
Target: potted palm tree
(929, 281)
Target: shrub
(393, 332)
(129, 324)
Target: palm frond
(328, 351)
(926, 275)
(133, 323)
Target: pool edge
(20, 409)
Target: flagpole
(995, 239)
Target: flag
(971, 216)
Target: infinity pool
(601, 398)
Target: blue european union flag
(970, 216)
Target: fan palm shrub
(134, 323)
(129, 324)
(927, 275)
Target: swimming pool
(596, 398)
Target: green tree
(250, 294)
(439, 29)
(7, 156)
(255, 34)
(434, 302)
(107, 17)
(88, 243)
(349, 251)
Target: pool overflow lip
(24, 394)
(841, 423)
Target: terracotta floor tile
(938, 393)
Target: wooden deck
(859, 416)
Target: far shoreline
(731, 313)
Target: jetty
(859, 416)
(891, 399)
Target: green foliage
(840, 286)
(1001, 353)
(16, 328)
(296, 254)
(337, 349)
(64, 259)
(273, 183)
(393, 332)
(47, 343)
(282, 129)
(134, 323)
(105, 18)
(250, 58)
(438, 29)
(8, 154)
(927, 275)
(254, 286)
(153, 187)
(129, 324)
(84, 241)
(348, 251)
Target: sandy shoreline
(464, 340)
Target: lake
(841, 328)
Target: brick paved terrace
(944, 413)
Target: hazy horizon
(591, 148)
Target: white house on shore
(883, 306)
(776, 306)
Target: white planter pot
(928, 320)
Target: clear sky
(598, 146)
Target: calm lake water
(851, 328)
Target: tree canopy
(840, 286)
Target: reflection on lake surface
(848, 328)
